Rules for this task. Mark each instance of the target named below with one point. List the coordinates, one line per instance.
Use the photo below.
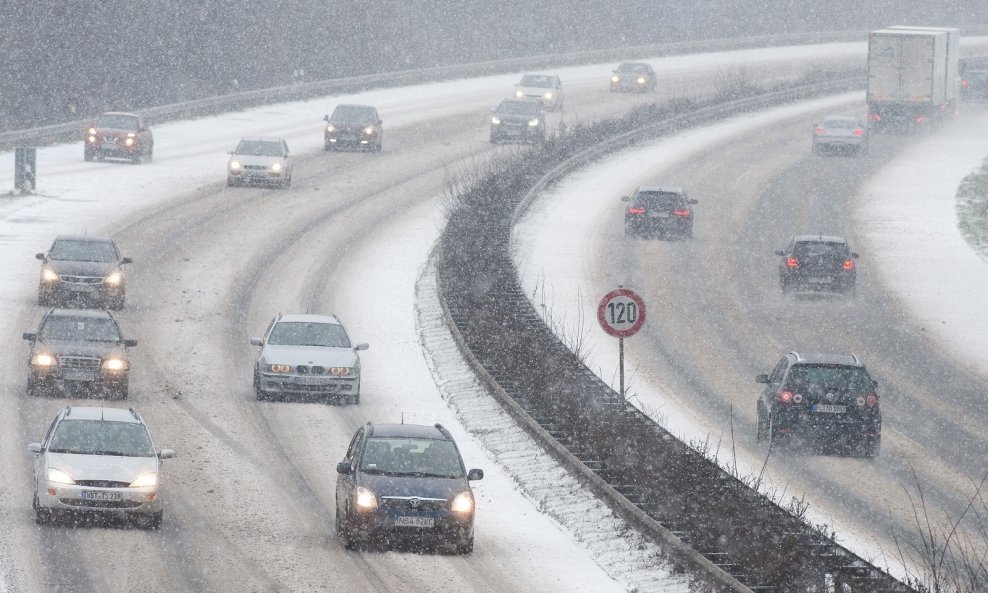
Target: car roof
(102, 413)
(309, 318)
(261, 139)
(661, 188)
(89, 313)
(85, 238)
(358, 105)
(415, 431)
(127, 113)
(819, 358)
(818, 239)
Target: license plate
(415, 522)
(308, 380)
(658, 215)
(101, 495)
(77, 375)
(82, 288)
(821, 280)
(829, 409)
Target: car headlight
(369, 130)
(615, 78)
(276, 167)
(365, 499)
(129, 141)
(49, 275)
(43, 359)
(341, 371)
(114, 364)
(91, 131)
(548, 95)
(330, 128)
(495, 120)
(463, 503)
(91, 139)
(641, 80)
(114, 278)
(235, 166)
(279, 368)
(533, 122)
(59, 477)
(519, 94)
(145, 480)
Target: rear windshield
(820, 249)
(72, 250)
(659, 200)
(101, 437)
(818, 379)
(397, 456)
(80, 329)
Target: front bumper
(85, 289)
(307, 385)
(111, 148)
(381, 526)
(356, 140)
(507, 132)
(120, 502)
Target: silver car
(261, 161)
(840, 132)
(306, 356)
(546, 87)
(101, 461)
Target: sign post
(621, 313)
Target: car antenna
(403, 417)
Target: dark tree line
(70, 59)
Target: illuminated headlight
(365, 499)
(463, 503)
(341, 371)
(548, 95)
(330, 128)
(495, 120)
(533, 122)
(91, 132)
(279, 368)
(369, 130)
(235, 166)
(114, 278)
(49, 275)
(519, 94)
(59, 477)
(276, 167)
(615, 78)
(129, 142)
(146, 480)
(91, 139)
(114, 364)
(641, 80)
(43, 359)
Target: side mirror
(126, 260)
(475, 474)
(362, 346)
(257, 341)
(779, 252)
(693, 201)
(167, 454)
(344, 468)
(34, 447)
(40, 256)
(854, 255)
(874, 383)
(761, 379)
(130, 343)
(325, 118)
(625, 198)
(30, 336)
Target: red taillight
(964, 83)
(819, 131)
(785, 396)
(858, 132)
(874, 117)
(848, 265)
(681, 212)
(792, 262)
(920, 119)
(872, 400)
(636, 211)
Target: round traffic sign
(621, 313)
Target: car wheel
(870, 448)
(353, 399)
(231, 182)
(152, 521)
(119, 392)
(465, 547)
(287, 183)
(150, 155)
(45, 298)
(41, 516)
(343, 531)
(258, 393)
(36, 387)
(116, 303)
(88, 155)
(761, 433)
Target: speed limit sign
(621, 313)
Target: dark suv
(405, 483)
(353, 126)
(76, 349)
(817, 262)
(518, 120)
(827, 397)
(658, 210)
(82, 268)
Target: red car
(119, 135)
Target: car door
(775, 382)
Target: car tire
(116, 303)
(36, 387)
(88, 155)
(119, 392)
(287, 183)
(150, 155)
(41, 516)
(45, 299)
(152, 521)
(870, 448)
(343, 531)
(353, 399)
(466, 547)
(258, 393)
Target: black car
(824, 397)
(79, 350)
(634, 76)
(518, 120)
(817, 262)
(353, 126)
(87, 269)
(659, 210)
(405, 483)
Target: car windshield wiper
(419, 474)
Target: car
(261, 161)
(307, 356)
(82, 268)
(98, 461)
(817, 263)
(118, 135)
(821, 397)
(518, 120)
(974, 85)
(405, 483)
(546, 87)
(78, 350)
(634, 76)
(840, 133)
(353, 126)
(656, 209)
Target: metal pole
(621, 363)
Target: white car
(261, 161)
(307, 356)
(547, 87)
(100, 461)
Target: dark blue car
(405, 483)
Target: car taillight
(848, 264)
(636, 211)
(681, 212)
(965, 83)
(874, 117)
(920, 119)
(819, 131)
(792, 262)
(786, 397)
(858, 132)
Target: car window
(354, 443)
(76, 329)
(537, 80)
(658, 200)
(637, 68)
(777, 373)
(820, 249)
(353, 114)
(841, 123)
(411, 456)
(101, 437)
(260, 148)
(818, 379)
(116, 121)
(518, 108)
(72, 250)
(304, 333)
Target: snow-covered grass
(972, 209)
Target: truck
(912, 76)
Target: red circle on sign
(621, 313)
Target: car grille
(102, 484)
(82, 279)
(401, 503)
(82, 363)
(304, 369)
(256, 167)
(101, 504)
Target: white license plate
(658, 215)
(308, 380)
(821, 280)
(829, 409)
(415, 522)
(77, 375)
(101, 495)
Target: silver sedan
(840, 133)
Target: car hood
(425, 487)
(312, 355)
(250, 159)
(102, 467)
(62, 348)
(81, 268)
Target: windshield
(73, 250)
(518, 108)
(537, 80)
(80, 329)
(118, 121)
(296, 333)
(820, 249)
(819, 379)
(260, 148)
(659, 200)
(101, 437)
(354, 114)
(398, 456)
(636, 68)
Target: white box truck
(952, 71)
(907, 77)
